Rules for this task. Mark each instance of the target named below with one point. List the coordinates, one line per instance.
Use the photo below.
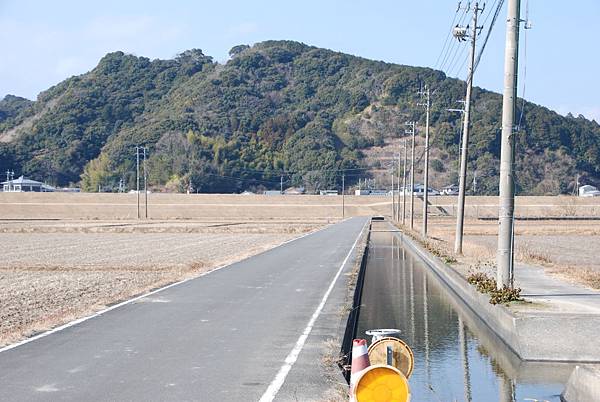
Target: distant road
(232, 335)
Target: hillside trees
(278, 107)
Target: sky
(44, 42)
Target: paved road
(221, 337)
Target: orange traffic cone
(360, 360)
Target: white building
(450, 190)
(419, 190)
(588, 191)
(328, 192)
(22, 184)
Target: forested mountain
(275, 108)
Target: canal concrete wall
(583, 385)
(531, 335)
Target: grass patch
(585, 276)
(487, 285)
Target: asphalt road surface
(232, 335)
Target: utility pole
(343, 195)
(137, 178)
(404, 183)
(10, 175)
(507, 188)
(427, 105)
(411, 131)
(462, 112)
(398, 188)
(393, 202)
(145, 185)
(461, 33)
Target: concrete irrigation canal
(457, 358)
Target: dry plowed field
(53, 272)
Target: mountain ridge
(277, 106)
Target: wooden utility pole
(343, 195)
(460, 34)
(404, 183)
(427, 105)
(411, 131)
(392, 193)
(137, 178)
(505, 256)
(398, 189)
(145, 186)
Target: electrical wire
(524, 67)
(489, 33)
(463, 53)
(455, 47)
(461, 66)
(457, 72)
(448, 36)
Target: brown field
(219, 207)
(68, 255)
(565, 248)
(56, 271)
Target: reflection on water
(456, 357)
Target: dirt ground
(54, 272)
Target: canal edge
(534, 337)
(353, 300)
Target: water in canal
(456, 357)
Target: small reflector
(381, 383)
(402, 356)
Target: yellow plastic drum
(381, 383)
(402, 356)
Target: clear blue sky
(44, 42)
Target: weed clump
(485, 284)
(438, 252)
(505, 295)
(482, 282)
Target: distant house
(419, 190)
(294, 191)
(328, 192)
(449, 190)
(588, 191)
(378, 192)
(272, 192)
(22, 184)
(362, 192)
(371, 192)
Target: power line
(456, 73)
(489, 32)
(527, 28)
(454, 48)
(448, 36)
